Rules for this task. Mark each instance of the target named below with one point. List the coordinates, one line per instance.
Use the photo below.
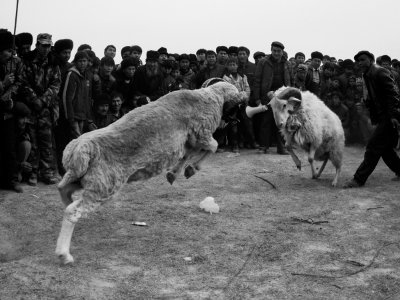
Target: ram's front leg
(289, 148)
(311, 155)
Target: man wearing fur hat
(62, 52)
(272, 73)
(124, 82)
(10, 74)
(148, 79)
(41, 81)
(383, 103)
(233, 51)
(313, 77)
(163, 54)
(24, 45)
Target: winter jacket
(41, 81)
(312, 86)
(264, 76)
(383, 99)
(152, 87)
(207, 73)
(76, 99)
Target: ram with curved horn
(303, 119)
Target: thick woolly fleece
(319, 127)
(145, 141)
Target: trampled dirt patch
(302, 240)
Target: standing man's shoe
(282, 152)
(32, 180)
(351, 184)
(17, 187)
(50, 180)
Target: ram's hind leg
(337, 162)
(210, 146)
(74, 211)
(311, 155)
(172, 174)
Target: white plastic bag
(209, 205)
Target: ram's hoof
(189, 171)
(171, 177)
(66, 259)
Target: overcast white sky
(338, 28)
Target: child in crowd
(230, 125)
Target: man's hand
(9, 80)
(92, 126)
(26, 167)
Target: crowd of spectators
(46, 100)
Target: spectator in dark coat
(272, 73)
(212, 69)
(124, 83)
(313, 78)
(62, 52)
(383, 103)
(41, 80)
(107, 80)
(246, 126)
(10, 80)
(25, 41)
(148, 80)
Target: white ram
(160, 135)
(303, 119)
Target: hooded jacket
(76, 96)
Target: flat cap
(258, 54)
(369, 54)
(317, 54)
(277, 44)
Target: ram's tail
(76, 158)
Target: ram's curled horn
(290, 92)
(212, 81)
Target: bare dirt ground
(302, 240)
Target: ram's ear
(295, 103)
